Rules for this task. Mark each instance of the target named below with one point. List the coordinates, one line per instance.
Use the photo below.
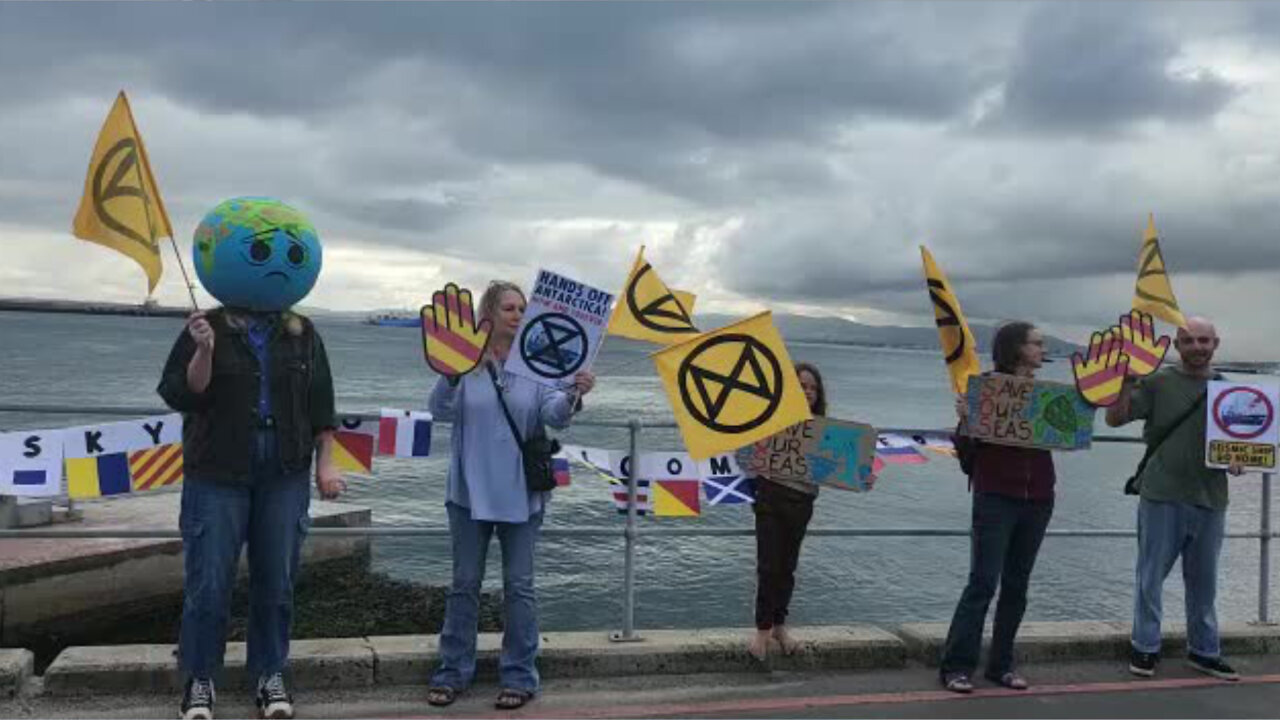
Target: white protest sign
(561, 330)
(1241, 425)
(31, 463)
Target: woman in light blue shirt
(486, 495)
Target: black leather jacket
(220, 424)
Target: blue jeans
(1167, 530)
(516, 668)
(1004, 542)
(216, 521)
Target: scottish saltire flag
(560, 469)
(31, 463)
(897, 450)
(724, 482)
(731, 490)
(404, 433)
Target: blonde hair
(488, 309)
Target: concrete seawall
(407, 660)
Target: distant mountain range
(798, 328)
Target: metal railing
(630, 531)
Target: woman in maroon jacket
(1012, 503)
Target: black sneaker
(274, 701)
(1143, 664)
(1212, 666)
(197, 700)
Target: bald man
(1182, 506)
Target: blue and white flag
(724, 482)
(31, 463)
(729, 490)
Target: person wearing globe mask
(252, 381)
(1012, 504)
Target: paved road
(1080, 690)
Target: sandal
(1009, 679)
(957, 682)
(441, 695)
(511, 699)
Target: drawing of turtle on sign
(1010, 410)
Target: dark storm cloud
(1093, 67)
(834, 136)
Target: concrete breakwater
(91, 308)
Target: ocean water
(685, 581)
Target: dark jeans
(1005, 538)
(782, 514)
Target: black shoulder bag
(535, 454)
(1131, 485)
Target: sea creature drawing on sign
(1011, 410)
(452, 341)
(842, 454)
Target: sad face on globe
(257, 253)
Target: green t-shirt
(1176, 472)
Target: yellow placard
(732, 386)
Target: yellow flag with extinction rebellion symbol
(1153, 293)
(958, 347)
(121, 206)
(648, 310)
(731, 387)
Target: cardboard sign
(561, 330)
(1011, 410)
(824, 451)
(841, 454)
(1241, 425)
(784, 455)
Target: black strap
(1168, 432)
(493, 375)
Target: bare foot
(759, 645)
(788, 643)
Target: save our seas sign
(825, 451)
(1241, 425)
(561, 331)
(1011, 410)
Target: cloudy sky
(789, 155)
